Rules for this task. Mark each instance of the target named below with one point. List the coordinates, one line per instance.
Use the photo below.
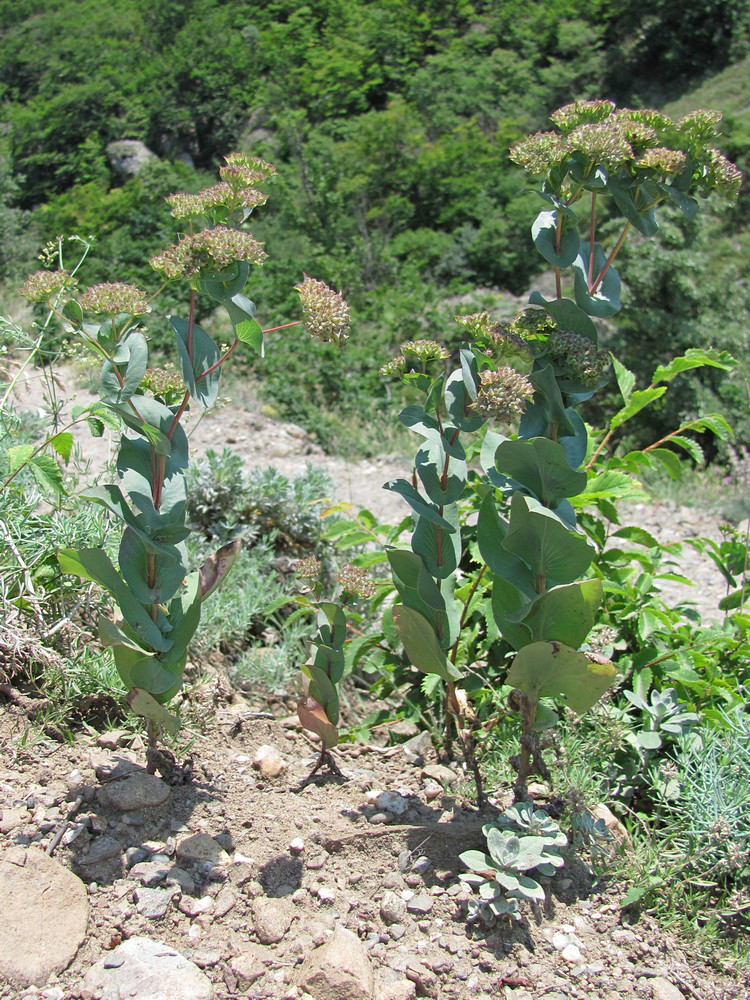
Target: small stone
(149, 969)
(662, 989)
(101, 849)
(138, 790)
(204, 958)
(272, 918)
(192, 907)
(380, 818)
(318, 862)
(269, 762)
(154, 903)
(201, 848)
(560, 941)
(113, 739)
(326, 895)
(438, 773)
(338, 969)
(297, 846)
(150, 873)
(392, 802)
(421, 865)
(421, 904)
(178, 876)
(224, 902)
(13, 818)
(392, 908)
(396, 931)
(248, 966)
(432, 791)
(571, 953)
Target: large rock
(142, 969)
(44, 911)
(338, 970)
(128, 156)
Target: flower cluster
(210, 250)
(630, 141)
(309, 569)
(576, 357)
(502, 394)
(532, 323)
(243, 170)
(325, 313)
(114, 298)
(41, 286)
(415, 353)
(165, 385)
(355, 581)
(203, 204)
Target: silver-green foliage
(522, 846)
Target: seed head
(572, 116)
(395, 367)
(424, 351)
(245, 171)
(667, 162)
(502, 394)
(41, 286)
(603, 143)
(576, 357)
(325, 313)
(114, 298)
(309, 569)
(721, 175)
(210, 250)
(540, 152)
(165, 384)
(203, 204)
(355, 581)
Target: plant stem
(592, 238)
(610, 259)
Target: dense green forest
(389, 123)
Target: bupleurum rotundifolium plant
(158, 601)
(519, 385)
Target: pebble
(138, 790)
(391, 802)
(193, 907)
(154, 903)
(269, 761)
(392, 908)
(201, 848)
(421, 904)
(571, 953)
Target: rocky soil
(248, 880)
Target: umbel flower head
(636, 145)
(41, 286)
(576, 357)
(234, 195)
(325, 314)
(355, 581)
(415, 354)
(502, 394)
(165, 384)
(114, 298)
(212, 250)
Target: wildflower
(113, 298)
(699, 125)
(210, 250)
(540, 152)
(423, 351)
(579, 113)
(41, 286)
(477, 325)
(602, 143)
(397, 366)
(244, 170)
(309, 568)
(667, 161)
(192, 206)
(647, 116)
(502, 394)
(721, 175)
(166, 385)
(576, 357)
(325, 313)
(532, 323)
(356, 582)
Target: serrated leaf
(47, 473)
(18, 456)
(636, 402)
(625, 378)
(694, 357)
(63, 444)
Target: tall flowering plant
(524, 566)
(158, 601)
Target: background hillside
(389, 123)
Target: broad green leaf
(313, 718)
(459, 399)
(566, 614)
(669, 461)
(416, 419)
(547, 387)
(605, 301)
(418, 503)
(184, 615)
(477, 861)
(138, 564)
(544, 235)
(644, 221)
(143, 704)
(692, 447)
(542, 467)
(567, 315)
(509, 606)
(151, 675)
(438, 546)
(96, 426)
(442, 477)
(553, 553)
(194, 360)
(18, 456)
(552, 670)
(421, 644)
(694, 357)
(491, 532)
(129, 362)
(224, 285)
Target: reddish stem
(610, 259)
(592, 237)
(273, 329)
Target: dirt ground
(246, 873)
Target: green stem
(592, 239)
(610, 259)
